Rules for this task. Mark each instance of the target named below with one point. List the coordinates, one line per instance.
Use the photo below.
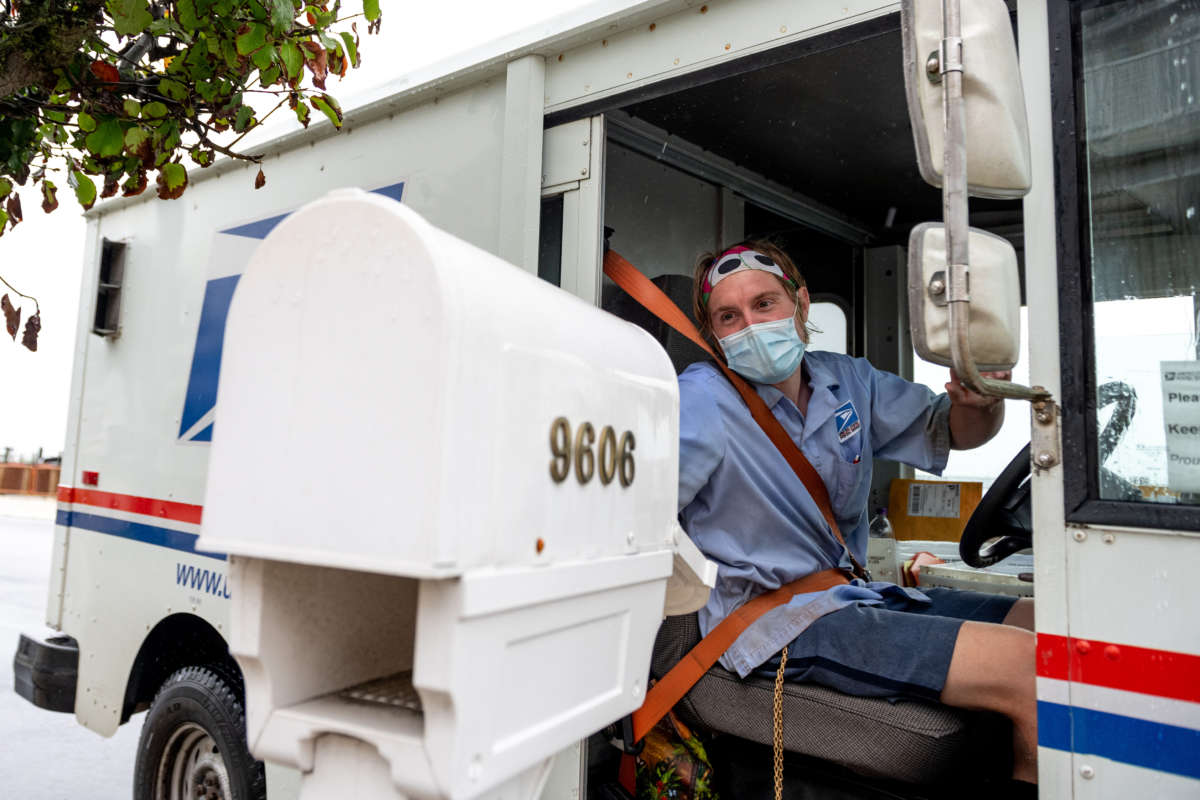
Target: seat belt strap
(641, 289)
(663, 695)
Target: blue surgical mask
(768, 352)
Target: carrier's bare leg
(992, 669)
(1021, 614)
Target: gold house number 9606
(589, 455)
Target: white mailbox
(449, 493)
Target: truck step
(393, 690)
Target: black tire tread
(222, 699)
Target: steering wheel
(1006, 511)
(1002, 523)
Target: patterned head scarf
(737, 259)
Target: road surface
(44, 755)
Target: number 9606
(607, 456)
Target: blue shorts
(900, 648)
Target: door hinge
(1044, 439)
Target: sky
(43, 256)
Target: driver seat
(903, 740)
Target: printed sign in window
(1181, 418)
(934, 500)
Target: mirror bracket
(960, 284)
(954, 205)
(950, 55)
(958, 292)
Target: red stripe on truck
(163, 509)
(1162, 673)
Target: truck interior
(811, 146)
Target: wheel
(193, 743)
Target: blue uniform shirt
(747, 511)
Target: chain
(777, 738)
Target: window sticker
(934, 500)
(1181, 418)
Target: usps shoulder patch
(847, 421)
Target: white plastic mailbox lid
(387, 398)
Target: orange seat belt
(663, 696)
(639, 287)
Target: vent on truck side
(108, 288)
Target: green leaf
(302, 114)
(173, 89)
(188, 18)
(330, 44)
(172, 180)
(289, 53)
(132, 108)
(5, 187)
(282, 15)
(85, 190)
(130, 17)
(245, 116)
(155, 110)
(323, 17)
(230, 52)
(201, 157)
(329, 107)
(86, 121)
(351, 48)
(270, 75)
(166, 138)
(3, 220)
(55, 116)
(134, 138)
(206, 90)
(262, 58)
(107, 139)
(371, 9)
(169, 27)
(252, 39)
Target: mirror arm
(954, 213)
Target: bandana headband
(737, 259)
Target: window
(108, 289)
(827, 327)
(1140, 65)
(1129, 260)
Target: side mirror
(997, 131)
(994, 327)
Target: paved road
(43, 755)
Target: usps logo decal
(232, 249)
(846, 418)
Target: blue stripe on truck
(137, 531)
(1153, 745)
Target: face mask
(767, 352)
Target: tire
(195, 736)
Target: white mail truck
(337, 498)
